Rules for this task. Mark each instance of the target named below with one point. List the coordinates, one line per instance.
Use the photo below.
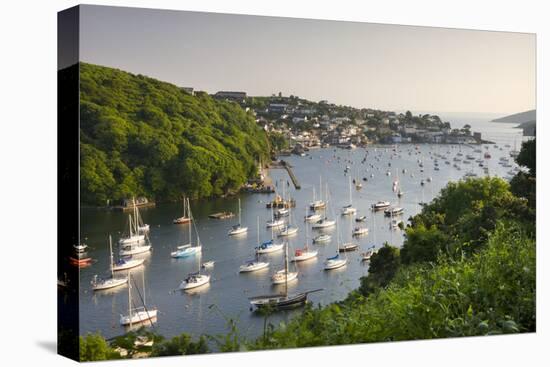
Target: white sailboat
(100, 284)
(289, 229)
(137, 315)
(322, 238)
(305, 253)
(188, 249)
(135, 243)
(325, 222)
(133, 236)
(195, 280)
(269, 246)
(318, 204)
(275, 222)
(349, 209)
(185, 218)
(142, 228)
(255, 264)
(238, 228)
(285, 275)
(335, 261)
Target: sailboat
(238, 228)
(275, 222)
(322, 238)
(336, 261)
(137, 315)
(349, 209)
(305, 253)
(365, 256)
(282, 300)
(195, 280)
(135, 243)
(255, 264)
(325, 222)
(188, 249)
(133, 235)
(185, 218)
(289, 229)
(142, 228)
(285, 275)
(269, 246)
(318, 204)
(100, 284)
(312, 217)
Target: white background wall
(28, 170)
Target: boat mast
(136, 224)
(130, 226)
(286, 269)
(190, 224)
(306, 232)
(239, 211)
(349, 180)
(130, 298)
(111, 252)
(144, 295)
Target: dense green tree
(383, 266)
(141, 136)
(180, 345)
(423, 244)
(93, 347)
(524, 184)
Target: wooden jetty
(221, 215)
(291, 174)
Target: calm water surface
(229, 291)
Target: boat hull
(202, 280)
(138, 317)
(109, 283)
(135, 250)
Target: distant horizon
(363, 65)
(398, 110)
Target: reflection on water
(192, 311)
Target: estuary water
(207, 310)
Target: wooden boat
(349, 246)
(221, 215)
(185, 218)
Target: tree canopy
(141, 136)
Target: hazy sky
(358, 64)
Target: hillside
(141, 136)
(519, 118)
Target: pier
(291, 174)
